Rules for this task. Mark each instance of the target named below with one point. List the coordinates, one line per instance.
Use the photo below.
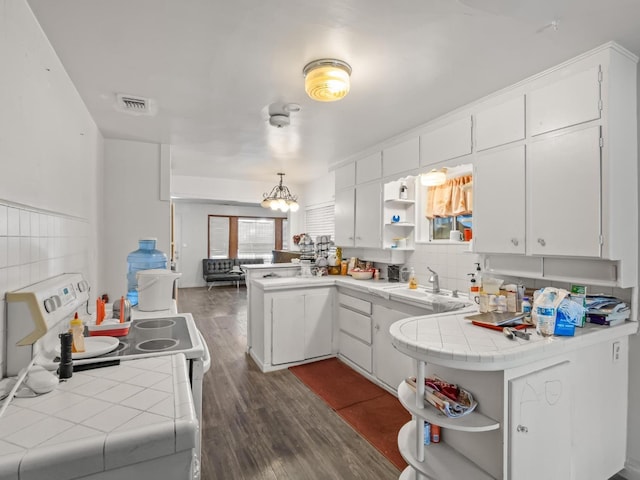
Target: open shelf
(440, 460)
(400, 224)
(399, 202)
(473, 422)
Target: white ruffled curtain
(454, 197)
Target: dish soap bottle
(413, 281)
(77, 331)
(403, 190)
(474, 289)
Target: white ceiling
(214, 67)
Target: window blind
(320, 220)
(218, 237)
(256, 238)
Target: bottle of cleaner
(474, 289)
(76, 328)
(403, 190)
(479, 277)
(413, 281)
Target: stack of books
(606, 310)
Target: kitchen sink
(439, 302)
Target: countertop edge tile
(122, 449)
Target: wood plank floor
(267, 426)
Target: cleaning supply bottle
(474, 289)
(479, 277)
(76, 328)
(413, 281)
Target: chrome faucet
(433, 280)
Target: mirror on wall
(445, 205)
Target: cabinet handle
(514, 241)
(522, 429)
(542, 242)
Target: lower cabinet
(354, 337)
(301, 325)
(389, 365)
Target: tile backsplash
(35, 245)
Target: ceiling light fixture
(326, 80)
(434, 177)
(280, 198)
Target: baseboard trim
(631, 471)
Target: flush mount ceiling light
(326, 80)
(280, 198)
(434, 177)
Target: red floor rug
(372, 411)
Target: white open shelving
(399, 214)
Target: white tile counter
(453, 341)
(100, 423)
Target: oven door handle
(206, 361)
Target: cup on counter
(468, 234)
(455, 236)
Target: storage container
(155, 289)
(145, 258)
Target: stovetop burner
(155, 323)
(157, 344)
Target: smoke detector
(279, 120)
(135, 105)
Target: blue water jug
(145, 258)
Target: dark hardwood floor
(267, 426)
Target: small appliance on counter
(393, 273)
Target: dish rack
(307, 248)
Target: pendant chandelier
(280, 198)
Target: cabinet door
(401, 157)
(368, 215)
(369, 168)
(540, 425)
(499, 201)
(389, 365)
(287, 329)
(500, 124)
(345, 217)
(345, 176)
(317, 324)
(570, 101)
(449, 141)
(563, 176)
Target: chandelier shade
(327, 80)
(280, 198)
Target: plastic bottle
(403, 191)
(526, 309)
(145, 258)
(546, 313)
(413, 281)
(479, 277)
(427, 433)
(76, 328)
(474, 288)
(435, 433)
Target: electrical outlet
(616, 352)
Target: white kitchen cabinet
(389, 365)
(344, 217)
(564, 194)
(355, 335)
(357, 216)
(571, 100)
(345, 176)
(367, 215)
(369, 168)
(297, 326)
(402, 157)
(500, 124)
(540, 422)
(499, 201)
(445, 142)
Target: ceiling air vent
(136, 105)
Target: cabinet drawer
(356, 351)
(354, 303)
(356, 324)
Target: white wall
(133, 208)
(192, 223)
(50, 153)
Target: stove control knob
(83, 286)
(57, 300)
(49, 305)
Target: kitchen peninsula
(564, 398)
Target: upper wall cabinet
(400, 158)
(369, 168)
(500, 124)
(345, 176)
(449, 141)
(570, 101)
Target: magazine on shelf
(450, 399)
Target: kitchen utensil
(127, 309)
(362, 275)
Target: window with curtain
(450, 207)
(256, 238)
(245, 237)
(319, 220)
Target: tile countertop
(453, 341)
(381, 288)
(99, 420)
